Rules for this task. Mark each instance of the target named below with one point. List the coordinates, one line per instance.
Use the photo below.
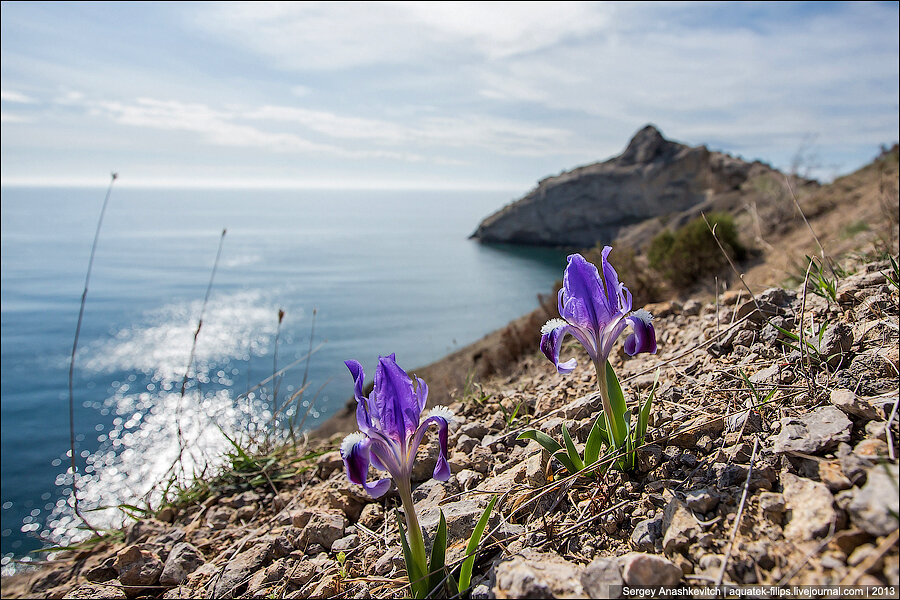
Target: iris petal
(583, 299)
(644, 337)
(551, 344)
(438, 417)
(355, 450)
(364, 407)
(395, 400)
(617, 295)
(421, 394)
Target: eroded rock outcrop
(652, 177)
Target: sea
(357, 274)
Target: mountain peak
(644, 146)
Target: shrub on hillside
(690, 254)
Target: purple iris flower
(596, 315)
(389, 428)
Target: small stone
(710, 561)
(649, 457)
(266, 577)
(852, 404)
(480, 459)
(239, 569)
(247, 498)
(219, 517)
(137, 569)
(468, 479)
(474, 429)
(537, 575)
(847, 540)
(649, 570)
(680, 526)
(345, 544)
(324, 527)
(104, 571)
(372, 515)
(772, 505)
(871, 448)
(384, 565)
(647, 533)
(862, 553)
(701, 501)
(874, 507)
(328, 463)
(167, 514)
(95, 591)
(536, 469)
(810, 507)
(602, 578)
(691, 308)
(182, 561)
(818, 431)
(831, 474)
(465, 443)
(834, 346)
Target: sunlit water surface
(383, 271)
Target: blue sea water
(384, 271)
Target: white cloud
(502, 136)
(15, 97)
(220, 128)
(6, 117)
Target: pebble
(809, 505)
(874, 507)
(650, 570)
(818, 431)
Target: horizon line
(254, 184)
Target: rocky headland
(653, 177)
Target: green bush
(691, 254)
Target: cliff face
(652, 177)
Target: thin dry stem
(87, 279)
(740, 513)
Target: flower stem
(414, 533)
(607, 405)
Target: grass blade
(571, 450)
(595, 439)
(644, 414)
(547, 442)
(465, 572)
(618, 424)
(438, 557)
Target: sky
(433, 95)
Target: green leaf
(418, 584)
(574, 457)
(644, 413)
(563, 456)
(548, 443)
(595, 438)
(617, 422)
(438, 556)
(465, 572)
(551, 446)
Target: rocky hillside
(653, 177)
(765, 465)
